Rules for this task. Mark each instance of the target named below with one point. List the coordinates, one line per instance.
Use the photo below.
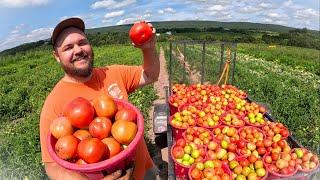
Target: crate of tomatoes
(95, 136)
(240, 138)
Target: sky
(24, 21)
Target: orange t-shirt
(117, 81)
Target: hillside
(225, 31)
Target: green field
(284, 78)
(26, 79)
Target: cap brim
(71, 22)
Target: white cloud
(128, 21)
(265, 5)
(22, 3)
(249, 9)
(112, 4)
(288, 3)
(306, 13)
(16, 39)
(166, 10)
(113, 14)
(217, 8)
(274, 15)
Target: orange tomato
(124, 131)
(105, 106)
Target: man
(74, 53)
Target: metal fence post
(234, 45)
(221, 58)
(203, 60)
(170, 68)
(184, 62)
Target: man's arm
(55, 171)
(151, 63)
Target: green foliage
(298, 58)
(26, 79)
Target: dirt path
(194, 75)
(160, 156)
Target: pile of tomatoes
(247, 143)
(90, 132)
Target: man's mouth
(80, 58)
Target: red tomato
(261, 150)
(282, 143)
(241, 144)
(82, 134)
(124, 131)
(66, 147)
(275, 156)
(91, 150)
(105, 106)
(79, 112)
(181, 142)
(195, 173)
(140, 33)
(126, 114)
(113, 145)
(284, 132)
(100, 127)
(252, 158)
(61, 127)
(178, 152)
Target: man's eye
(82, 43)
(67, 48)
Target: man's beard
(71, 70)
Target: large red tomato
(113, 145)
(91, 150)
(82, 134)
(126, 114)
(79, 112)
(124, 131)
(66, 147)
(100, 127)
(61, 127)
(105, 106)
(140, 33)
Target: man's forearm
(55, 171)
(151, 64)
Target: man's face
(74, 53)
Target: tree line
(297, 37)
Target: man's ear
(56, 56)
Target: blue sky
(25, 21)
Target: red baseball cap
(70, 22)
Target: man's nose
(77, 49)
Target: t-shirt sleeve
(47, 115)
(131, 76)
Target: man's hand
(120, 174)
(151, 43)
